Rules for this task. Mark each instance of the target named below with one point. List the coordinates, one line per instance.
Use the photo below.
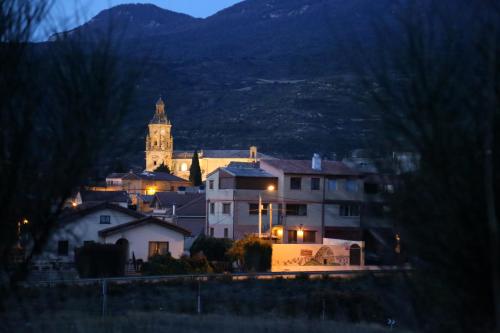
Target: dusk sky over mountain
(67, 14)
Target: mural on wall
(312, 256)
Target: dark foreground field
(362, 304)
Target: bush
(100, 260)
(213, 248)
(167, 265)
(252, 254)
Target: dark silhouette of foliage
(100, 260)
(213, 248)
(59, 106)
(162, 168)
(195, 170)
(437, 90)
(252, 254)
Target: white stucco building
(110, 223)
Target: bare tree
(60, 105)
(436, 87)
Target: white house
(110, 223)
(147, 237)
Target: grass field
(181, 323)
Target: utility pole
(260, 216)
(104, 285)
(271, 222)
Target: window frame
(313, 181)
(293, 184)
(63, 247)
(294, 239)
(349, 210)
(224, 205)
(211, 184)
(211, 208)
(299, 213)
(309, 232)
(330, 182)
(104, 219)
(158, 245)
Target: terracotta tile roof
(146, 175)
(305, 167)
(143, 221)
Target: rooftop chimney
(316, 162)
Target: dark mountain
(274, 73)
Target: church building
(160, 150)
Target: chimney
(316, 162)
(253, 153)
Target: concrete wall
(313, 257)
(139, 237)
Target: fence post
(198, 308)
(104, 285)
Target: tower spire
(160, 106)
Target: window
(226, 208)
(332, 184)
(309, 236)
(351, 185)
(211, 232)
(389, 188)
(349, 210)
(295, 183)
(226, 232)
(292, 236)
(158, 248)
(212, 208)
(297, 210)
(154, 163)
(371, 188)
(105, 219)
(314, 183)
(63, 248)
(253, 209)
(184, 166)
(211, 184)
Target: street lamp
(270, 188)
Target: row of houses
(307, 206)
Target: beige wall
(313, 257)
(207, 165)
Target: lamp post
(270, 188)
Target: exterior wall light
(300, 232)
(151, 190)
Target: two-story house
(232, 198)
(316, 199)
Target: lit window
(184, 166)
(158, 248)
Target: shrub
(252, 253)
(100, 260)
(213, 248)
(166, 265)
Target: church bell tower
(159, 141)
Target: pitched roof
(305, 167)
(247, 170)
(148, 175)
(71, 214)
(143, 221)
(116, 175)
(195, 207)
(167, 199)
(220, 153)
(104, 196)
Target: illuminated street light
(270, 188)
